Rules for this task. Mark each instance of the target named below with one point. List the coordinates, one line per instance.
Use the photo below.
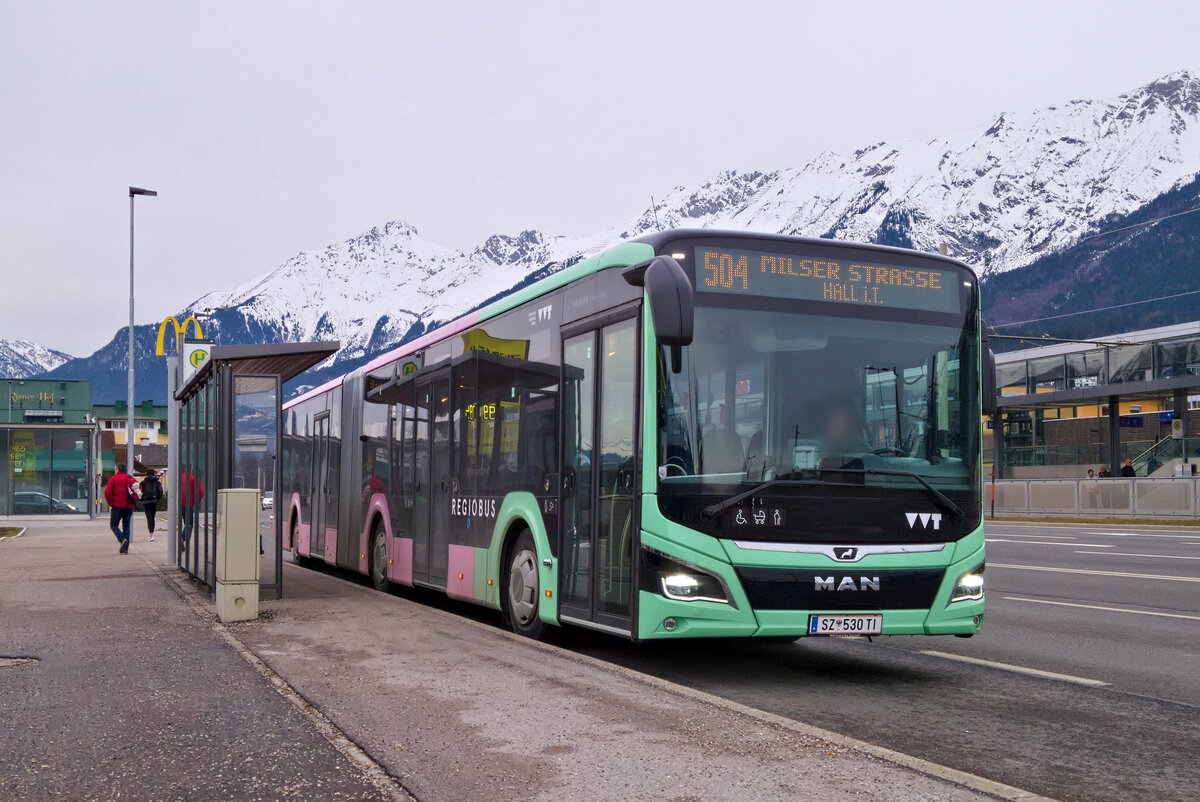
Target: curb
(376, 774)
(961, 778)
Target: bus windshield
(819, 409)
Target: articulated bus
(692, 434)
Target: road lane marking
(1048, 543)
(1100, 607)
(1032, 672)
(1002, 529)
(1096, 573)
(1055, 536)
(1140, 534)
(1127, 554)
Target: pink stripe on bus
(429, 338)
(402, 561)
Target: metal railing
(1174, 497)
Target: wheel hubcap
(380, 560)
(523, 587)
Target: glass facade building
(48, 446)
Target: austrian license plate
(845, 624)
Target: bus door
(598, 524)
(320, 488)
(431, 532)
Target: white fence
(1142, 498)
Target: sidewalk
(138, 694)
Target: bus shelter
(229, 437)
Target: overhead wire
(1101, 309)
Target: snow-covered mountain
(370, 291)
(1002, 194)
(1020, 187)
(20, 359)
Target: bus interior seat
(721, 451)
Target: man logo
(845, 553)
(925, 518)
(846, 583)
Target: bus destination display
(849, 281)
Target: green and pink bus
(691, 434)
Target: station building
(1065, 408)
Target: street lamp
(129, 423)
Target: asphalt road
(1111, 615)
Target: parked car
(268, 500)
(28, 502)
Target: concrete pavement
(343, 692)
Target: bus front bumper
(660, 617)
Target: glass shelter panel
(1086, 369)
(1131, 363)
(1047, 374)
(1012, 378)
(1175, 358)
(255, 433)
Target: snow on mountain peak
(1018, 186)
(20, 359)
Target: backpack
(134, 493)
(152, 489)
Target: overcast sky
(272, 128)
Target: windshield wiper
(943, 501)
(712, 510)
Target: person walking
(121, 493)
(1127, 469)
(152, 493)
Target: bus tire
(296, 556)
(522, 589)
(379, 558)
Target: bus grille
(840, 588)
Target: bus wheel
(296, 558)
(379, 558)
(522, 588)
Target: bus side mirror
(987, 382)
(672, 302)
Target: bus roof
(620, 255)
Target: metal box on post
(237, 554)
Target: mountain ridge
(1019, 188)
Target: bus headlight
(680, 581)
(969, 586)
(691, 587)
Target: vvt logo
(925, 518)
(540, 315)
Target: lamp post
(129, 423)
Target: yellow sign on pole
(180, 330)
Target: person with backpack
(121, 493)
(152, 493)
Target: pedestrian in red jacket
(121, 493)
